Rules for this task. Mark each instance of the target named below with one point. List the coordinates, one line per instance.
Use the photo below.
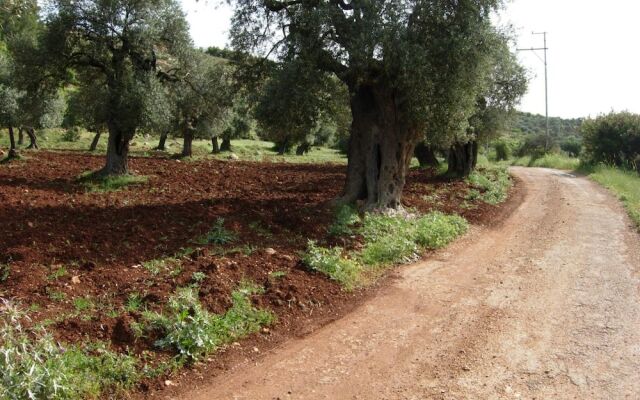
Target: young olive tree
(127, 43)
(388, 54)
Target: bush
(72, 135)
(34, 366)
(193, 332)
(503, 152)
(613, 139)
(572, 146)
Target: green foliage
(198, 277)
(554, 160)
(387, 240)
(134, 302)
(96, 183)
(503, 152)
(625, 184)
(218, 235)
(346, 216)
(83, 304)
(5, 270)
(614, 139)
(493, 183)
(331, 262)
(571, 145)
(34, 366)
(72, 134)
(189, 329)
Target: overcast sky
(594, 62)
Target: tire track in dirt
(546, 305)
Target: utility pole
(546, 84)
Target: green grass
(491, 184)
(557, 161)
(388, 240)
(34, 366)
(625, 184)
(93, 183)
(190, 330)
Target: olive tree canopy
(411, 66)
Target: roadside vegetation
(624, 183)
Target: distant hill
(533, 124)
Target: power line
(546, 82)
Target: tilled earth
(64, 243)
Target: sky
(593, 57)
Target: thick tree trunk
(94, 142)
(303, 149)
(215, 146)
(33, 139)
(117, 153)
(226, 144)
(20, 136)
(162, 144)
(283, 147)
(187, 143)
(462, 158)
(426, 156)
(380, 150)
(13, 152)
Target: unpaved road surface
(545, 306)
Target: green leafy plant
(34, 366)
(5, 270)
(96, 183)
(198, 277)
(346, 216)
(192, 331)
(134, 302)
(218, 235)
(57, 274)
(331, 262)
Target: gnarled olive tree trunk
(13, 152)
(117, 152)
(426, 155)
(33, 139)
(462, 158)
(380, 149)
(226, 144)
(20, 136)
(303, 149)
(214, 144)
(187, 148)
(94, 142)
(162, 144)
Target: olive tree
(389, 55)
(127, 43)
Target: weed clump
(34, 366)
(192, 331)
(218, 235)
(387, 240)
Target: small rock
(169, 383)
(256, 350)
(75, 279)
(265, 330)
(269, 251)
(233, 156)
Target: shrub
(503, 152)
(572, 146)
(436, 230)
(193, 332)
(72, 135)
(34, 366)
(613, 139)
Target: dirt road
(545, 306)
